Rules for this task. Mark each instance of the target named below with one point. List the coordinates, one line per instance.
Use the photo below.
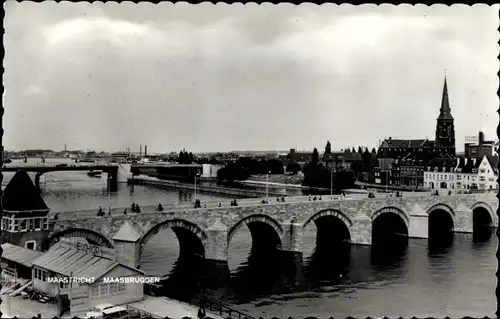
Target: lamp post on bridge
(267, 186)
(331, 180)
(195, 178)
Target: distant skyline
(230, 77)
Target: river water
(456, 279)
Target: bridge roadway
(208, 231)
(111, 169)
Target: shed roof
(71, 262)
(67, 261)
(19, 254)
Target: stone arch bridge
(208, 231)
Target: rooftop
(71, 262)
(21, 194)
(19, 254)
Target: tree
(181, 157)
(293, 167)
(353, 150)
(360, 150)
(374, 151)
(190, 158)
(328, 147)
(315, 157)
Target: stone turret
(25, 216)
(127, 245)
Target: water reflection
(327, 265)
(390, 250)
(482, 235)
(440, 243)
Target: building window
(45, 223)
(113, 288)
(104, 289)
(23, 225)
(95, 292)
(121, 288)
(30, 244)
(38, 223)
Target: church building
(412, 155)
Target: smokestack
(140, 150)
(145, 150)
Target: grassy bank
(279, 178)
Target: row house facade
(462, 174)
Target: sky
(232, 77)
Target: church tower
(445, 129)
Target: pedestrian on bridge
(160, 208)
(125, 212)
(137, 209)
(56, 216)
(132, 208)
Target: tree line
(243, 167)
(185, 157)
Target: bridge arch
(441, 218)
(260, 218)
(329, 212)
(489, 209)
(392, 210)
(443, 207)
(91, 236)
(174, 224)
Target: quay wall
(205, 188)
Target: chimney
(140, 150)
(481, 138)
(145, 150)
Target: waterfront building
(462, 174)
(301, 158)
(341, 160)
(17, 262)
(477, 147)
(25, 214)
(71, 258)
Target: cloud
(33, 90)
(71, 31)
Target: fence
(219, 308)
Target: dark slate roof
(348, 157)
(466, 165)
(21, 194)
(493, 162)
(392, 143)
(447, 163)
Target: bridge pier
(217, 268)
(361, 230)
(37, 180)
(112, 181)
(419, 223)
(463, 219)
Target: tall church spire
(445, 110)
